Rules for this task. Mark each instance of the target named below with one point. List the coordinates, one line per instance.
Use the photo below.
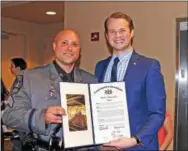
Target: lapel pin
(134, 63)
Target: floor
(7, 145)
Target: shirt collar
(62, 72)
(123, 55)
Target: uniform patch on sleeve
(17, 84)
(10, 101)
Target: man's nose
(69, 47)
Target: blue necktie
(114, 70)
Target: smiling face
(119, 34)
(67, 47)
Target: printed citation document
(96, 113)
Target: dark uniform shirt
(68, 77)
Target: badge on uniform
(17, 84)
(10, 101)
(52, 93)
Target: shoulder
(39, 68)
(101, 65)
(36, 74)
(145, 58)
(103, 62)
(36, 70)
(87, 75)
(26, 75)
(147, 61)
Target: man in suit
(34, 103)
(145, 88)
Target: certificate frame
(87, 107)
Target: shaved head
(67, 31)
(66, 47)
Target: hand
(123, 142)
(53, 114)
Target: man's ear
(110, 49)
(54, 46)
(106, 35)
(132, 33)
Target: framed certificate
(96, 113)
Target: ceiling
(33, 12)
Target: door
(181, 119)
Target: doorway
(181, 105)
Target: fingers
(123, 142)
(53, 114)
(51, 118)
(56, 110)
(59, 111)
(113, 143)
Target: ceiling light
(50, 13)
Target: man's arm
(156, 100)
(156, 97)
(19, 113)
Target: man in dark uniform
(34, 104)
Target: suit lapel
(104, 68)
(132, 63)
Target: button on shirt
(122, 66)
